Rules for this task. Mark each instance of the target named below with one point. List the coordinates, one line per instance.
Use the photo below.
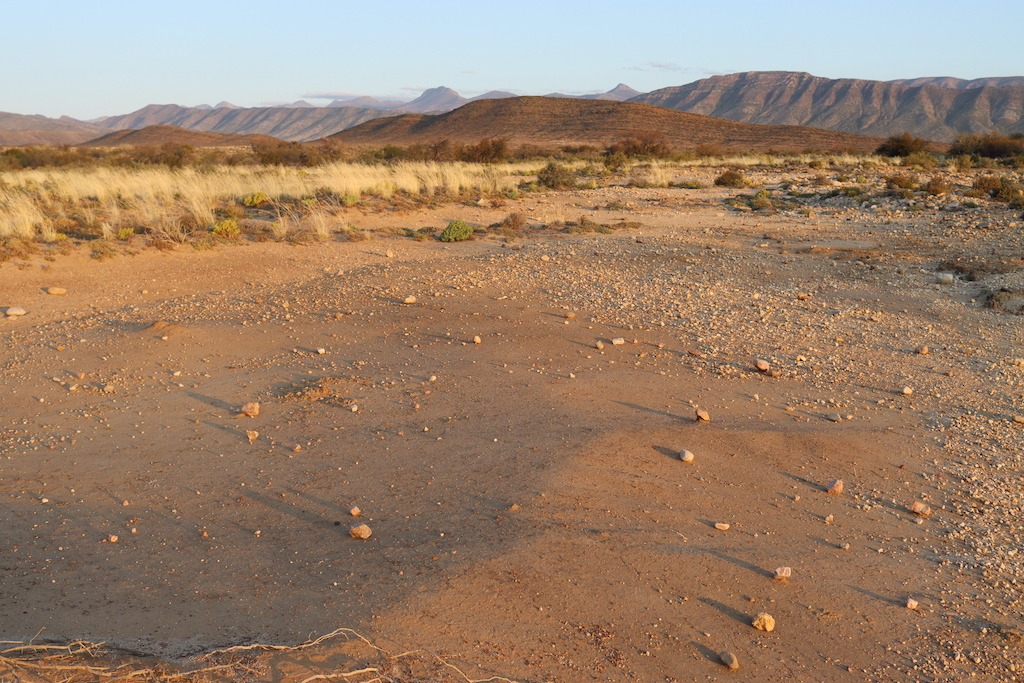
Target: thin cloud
(672, 66)
(321, 95)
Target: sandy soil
(531, 516)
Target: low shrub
(991, 145)
(901, 181)
(937, 185)
(556, 176)
(902, 145)
(921, 160)
(456, 231)
(257, 199)
(731, 178)
(227, 229)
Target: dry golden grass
(32, 202)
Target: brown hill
(849, 105)
(159, 135)
(34, 138)
(551, 122)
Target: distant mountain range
(852, 106)
(935, 108)
(549, 121)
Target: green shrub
(902, 145)
(125, 233)
(921, 160)
(227, 229)
(556, 177)
(256, 199)
(731, 178)
(457, 231)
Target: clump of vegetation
(731, 178)
(227, 229)
(647, 144)
(256, 199)
(901, 181)
(456, 231)
(937, 185)
(921, 160)
(902, 145)
(556, 176)
(989, 145)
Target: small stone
(361, 531)
(108, 389)
(570, 316)
(15, 310)
(762, 365)
(721, 526)
(944, 278)
(685, 456)
(204, 534)
(112, 538)
(1019, 419)
(409, 300)
(125, 503)
(45, 500)
(922, 350)
(321, 351)
(836, 487)
(783, 573)
(618, 341)
(355, 408)
(514, 507)
(355, 511)
(56, 291)
(906, 391)
(764, 622)
(729, 660)
(599, 345)
(477, 340)
(830, 519)
(920, 509)
(545, 257)
(702, 415)
(389, 254)
(911, 603)
(250, 409)
(844, 546)
(252, 436)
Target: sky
(108, 57)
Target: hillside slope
(159, 135)
(848, 105)
(550, 121)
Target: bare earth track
(531, 517)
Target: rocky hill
(159, 135)
(853, 106)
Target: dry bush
(648, 175)
(937, 185)
(901, 145)
(731, 178)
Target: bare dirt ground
(531, 516)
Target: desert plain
(509, 416)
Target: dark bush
(988, 184)
(991, 145)
(648, 144)
(902, 145)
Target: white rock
(685, 456)
(944, 278)
(762, 365)
(702, 415)
(783, 573)
(906, 391)
(911, 603)
(721, 526)
(56, 291)
(361, 531)
(15, 310)
(618, 341)
(250, 409)
(836, 487)
(409, 300)
(477, 340)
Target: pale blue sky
(111, 57)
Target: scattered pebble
(252, 436)
(477, 340)
(783, 573)
(250, 409)
(361, 531)
(721, 526)
(907, 391)
(703, 415)
(112, 538)
(409, 300)
(618, 341)
(764, 622)
(355, 511)
(762, 365)
(922, 350)
(108, 389)
(56, 291)
(685, 456)
(836, 487)
(545, 257)
(911, 603)
(15, 310)
(321, 351)
(599, 345)
(729, 660)
(944, 278)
